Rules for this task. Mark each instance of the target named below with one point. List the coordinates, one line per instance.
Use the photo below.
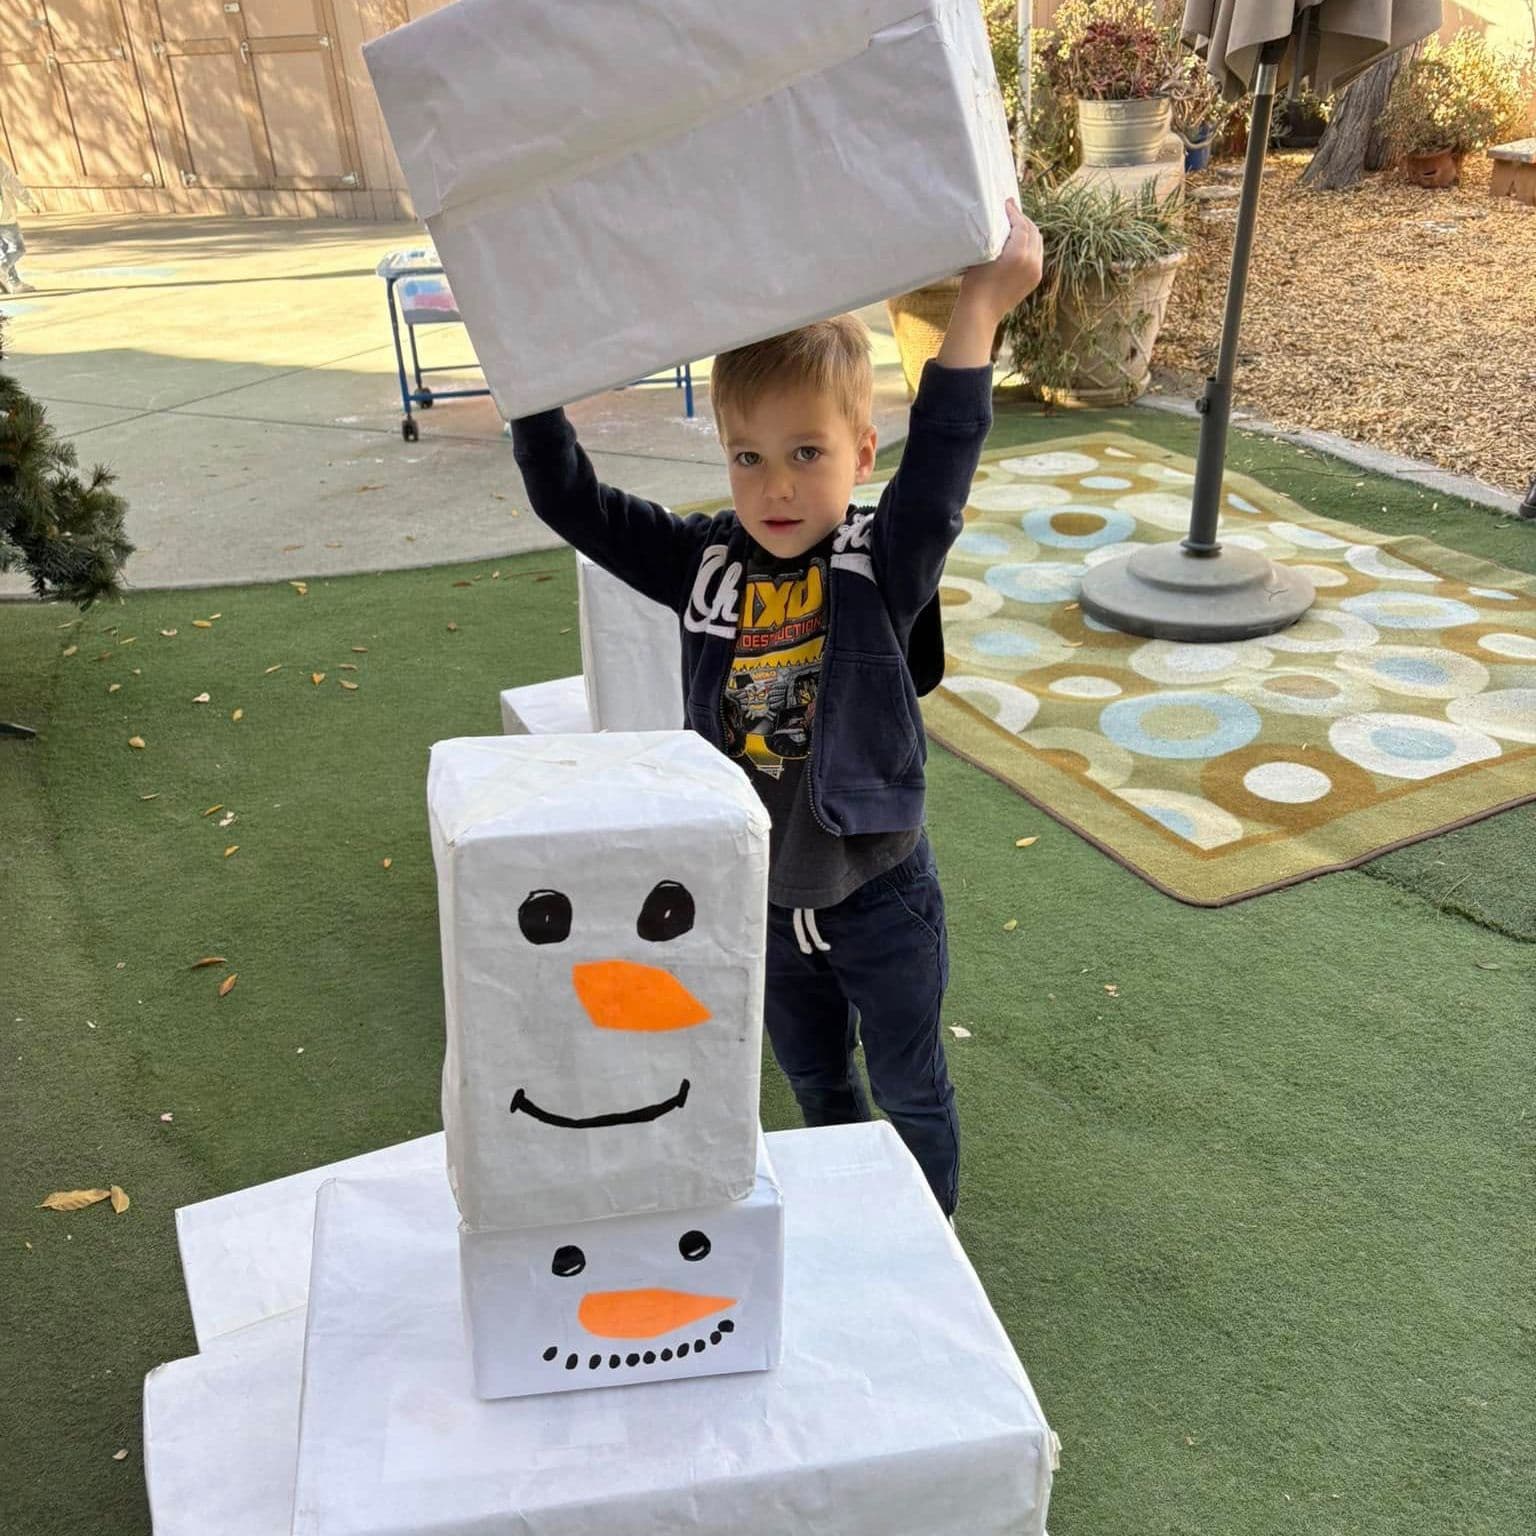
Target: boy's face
(794, 459)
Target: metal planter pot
(1123, 132)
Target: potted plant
(1119, 61)
(920, 318)
(1197, 106)
(1085, 336)
(1451, 99)
(1301, 121)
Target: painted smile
(646, 1357)
(521, 1102)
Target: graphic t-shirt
(769, 712)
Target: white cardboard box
(616, 188)
(556, 708)
(602, 904)
(631, 655)
(622, 1301)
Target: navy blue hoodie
(884, 642)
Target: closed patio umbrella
(1196, 589)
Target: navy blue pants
(870, 970)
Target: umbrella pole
(1196, 590)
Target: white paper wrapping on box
(245, 1256)
(631, 655)
(556, 708)
(616, 188)
(622, 1301)
(601, 1070)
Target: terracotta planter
(1114, 329)
(919, 320)
(1440, 169)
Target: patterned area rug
(1402, 705)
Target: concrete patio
(239, 377)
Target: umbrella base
(1170, 594)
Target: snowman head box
(602, 902)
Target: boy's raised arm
(639, 541)
(922, 511)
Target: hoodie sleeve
(922, 511)
(639, 541)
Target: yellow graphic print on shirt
(770, 695)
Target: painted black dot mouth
(521, 1103)
(633, 1359)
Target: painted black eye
(693, 1246)
(569, 1260)
(667, 913)
(545, 917)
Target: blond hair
(830, 357)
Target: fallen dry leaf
(463, 583)
(121, 1455)
(104, 655)
(1026, 842)
(1112, 989)
(1488, 965)
(350, 687)
(202, 698)
(346, 666)
(301, 587)
(547, 576)
(212, 808)
(271, 670)
(360, 650)
(228, 984)
(167, 1118)
(959, 1031)
(206, 961)
(333, 544)
(202, 623)
(317, 678)
(288, 549)
(69, 650)
(113, 687)
(73, 1199)
(452, 626)
(212, 616)
(170, 634)
(136, 742)
(239, 714)
(1010, 925)
(233, 848)
(120, 1201)
(385, 863)
(227, 820)
(129, 640)
(154, 796)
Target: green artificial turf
(1257, 1219)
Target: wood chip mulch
(1402, 318)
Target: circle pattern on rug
(1008, 645)
(1195, 820)
(1085, 685)
(963, 599)
(1515, 647)
(1243, 505)
(1496, 594)
(1043, 581)
(1287, 783)
(1158, 509)
(1298, 691)
(1061, 462)
(1321, 630)
(1371, 561)
(1180, 663)
(1085, 752)
(1105, 483)
(1307, 538)
(980, 545)
(1185, 726)
(1008, 496)
(1078, 526)
(1419, 671)
(1011, 708)
(1409, 610)
(1508, 713)
(1294, 787)
(1409, 746)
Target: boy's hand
(990, 291)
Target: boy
(810, 626)
(12, 246)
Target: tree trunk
(1351, 144)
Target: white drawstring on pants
(807, 935)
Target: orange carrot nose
(645, 1314)
(619, 994)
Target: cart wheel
(424, 400)
(409, 430)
